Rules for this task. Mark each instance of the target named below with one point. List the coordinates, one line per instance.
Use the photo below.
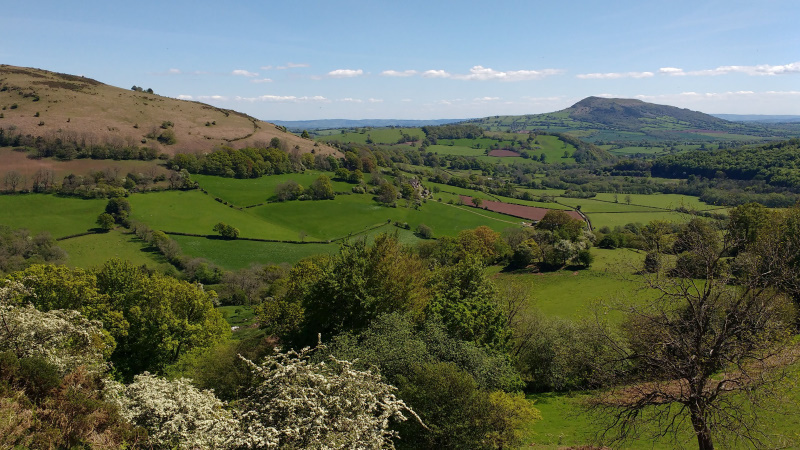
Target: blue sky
(306, 59)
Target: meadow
(61, 216)
(92, 250)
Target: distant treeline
(67, 146)
(777, 164)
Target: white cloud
(614, 75)
(351, 100)
(292, 65)
(244, 73)
(480, 73)
(761, 69)
(395, 73)
(185, 97)
(345, 73)
(262, 80)
(406, 100)
(211, 97)
(487, 99)
(174, 71)
(284, 99)
(375, 100)
(436, 74)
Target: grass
(61, 216)
(243, 317)
(253, 191)
(195, 212)
(233, 255)
(94, 250)
(571, 294)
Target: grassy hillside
(628, 120)
(53, 105)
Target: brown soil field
(18, 161)
(48, 104)
(523, 212)
(503, 153)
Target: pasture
(93, 250)
(61, 216)
(254, 191)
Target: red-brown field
(523, 212)
(503, 153)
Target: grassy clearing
(254, 191)
(233, 255)
(623, 218)
(573, 294)
(195, 212)
(94, 250)
(61, 216)
(665, 201)
(354, 213)
(242, 317)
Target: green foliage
(463, 300)
(424, 231)
(457, 412)
(19, 249)
(105, 221)
(321, 188)
(226, 231)
(346, 292)
(151, 318)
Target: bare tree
(13, 179)
(703, 354)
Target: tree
(175, 413)
(305, 135)
(226, 231)
(321, 188)
(288, 190)
(706, 351)
(298, 403)
(477, 201)
(12, 179)
(105, 221)
(387, 193)
(424, 231)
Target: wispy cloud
(292, 65)
(761, 69)
(211, 97)
(174, 71)
(185, 97)
(395, 73)
(351, 100)
(480, 73)
(614, 75)
(486, 99)
(262, 80)
(375, 100)
(284, 99)
(345, 73)
(244, 73)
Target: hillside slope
(53, 105)
(629, 120)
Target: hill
(51, 105)
(617, 120)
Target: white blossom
(64, 338)
(302, 404)
(175, 413)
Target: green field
(61, 216)
(195, 212)
(254, 191)
(94, 250)
(233, 255)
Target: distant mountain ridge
(760, 118)
(600, 119)
(324, 124)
